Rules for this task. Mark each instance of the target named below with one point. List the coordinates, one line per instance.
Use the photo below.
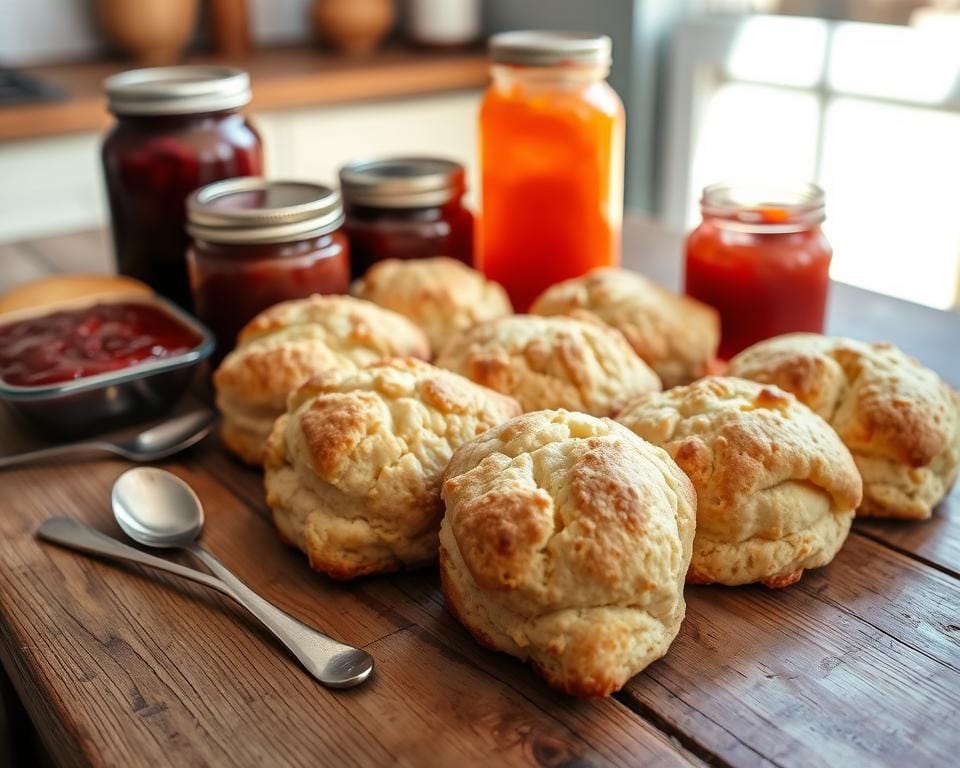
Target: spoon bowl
(158, 509)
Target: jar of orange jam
(551, 157)
(761, 260)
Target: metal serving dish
(97, 403)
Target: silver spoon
(158, 442)
(158, 509)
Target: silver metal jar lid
(177, 90)
(402, 182)
(251, 209)
(535, 48)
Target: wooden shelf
(282, 78)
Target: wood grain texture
(282, 78)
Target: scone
(776, 488)
(552, 362)
(441, 295)
(288, 343)
(676, 335)
(565, 542)
(900, 421)
(352, 470)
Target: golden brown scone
(776, 487)
(677, 336)
(288, 343)
(565, 542)
(55, 289)
(900, 421)
(441, 295)
(552, 362)
(352, 470)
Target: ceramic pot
(353, 26)
(152, 32)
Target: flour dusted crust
(552, 362)
(352, 470)
(286, 344)
(900, 421)
(777, 489)
(441, 295)
(676, 335)
(565, 542)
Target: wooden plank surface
(282, 78)
(859, 664)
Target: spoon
(158, 509)
(158, 442)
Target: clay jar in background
(152, 32)
(353, 26)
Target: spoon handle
(71, 533)
(52, 452)
(318, 653)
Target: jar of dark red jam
(257, 243)
(177, 129)
(761, 260)
(405, 208)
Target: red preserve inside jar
(72, 344)
(257, 243)
(405, 208)
(177, 129)
(761, 259)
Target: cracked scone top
(677, 336)
(288, 343)
(900, 421)
(776, 488)
(552, 362)
(441, 295)
(565, 542)
(353, 469)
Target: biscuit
(565, 542)
(441, 295)
(352, 470)
(675, 335)
(288, 343)
(900, 421)
(552, 362)
(777, 489)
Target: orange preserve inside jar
(551, 156)
(761, 259)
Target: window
(871, 112)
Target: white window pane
(893, 62)
(769, 49)
(754, 133)
(890, 174)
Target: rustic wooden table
(858, 664)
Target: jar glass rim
(771, 206)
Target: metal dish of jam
(88, 366)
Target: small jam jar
(177, 129)
(258, 242)
(405, 208)
(760, 258)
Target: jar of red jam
(405, 208)
(177, 129)
(760, 258)
(257, 243)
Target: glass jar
(177, 129)
(760, 258)
(405, 208)
(551, 156)
(257, 243)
